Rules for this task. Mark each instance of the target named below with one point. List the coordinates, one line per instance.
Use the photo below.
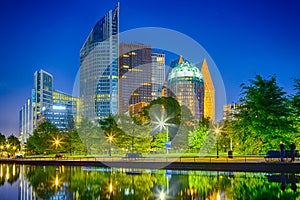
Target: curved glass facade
(99, 68)
(185, 83)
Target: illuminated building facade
(186, 83)
(99, 68)
(158, 74)
(25, 121)
(71, 103)
(209, 93)
(46, 103)
(63, 112)
(229, 111)
(41, 94)
(135, 69)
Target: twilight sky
(244, 38)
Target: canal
(79, 182)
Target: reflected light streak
(7, 172)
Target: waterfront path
(237, 163)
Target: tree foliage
(43, 139)
(264, 117)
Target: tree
(14, 143)
(264, 117)
(90, 135)
(197, 137)
(2, 142)
(72, 142)
(295, 104)
(42, 139)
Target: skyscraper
(185, 81)
(158, 74)
(135, 71)
(99, 68)
(63, 112)
(25, 121)
(209, 93)
(41, 94)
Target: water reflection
(69, 182)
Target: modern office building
(42, 94)
(158, 74)
(46, 103)
(135, 72)
(99, 68)
(25, 121)
(63, 112)
(209, 89)
(186, 82)
(230, 110)
(71, 103)
(209, 93)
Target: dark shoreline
(203, 166)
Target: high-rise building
(209, 89)
(46, 103)
(41, 94)
(71, 103)
(25, 121)
(158, 74)
(230, 110)
(99, 68)
(209, 93)
(63, 112)
(135, 69)
(185, 81)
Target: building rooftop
(185, 69)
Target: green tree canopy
(264, 117)
(43, 139)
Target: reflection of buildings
(47, 104)
(50, 187)
(229, 111)
(99, 68)
(186, 82)
(26, 191)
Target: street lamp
(110, 139)
(217, 131)
(160, 122)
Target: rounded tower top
(185, 69)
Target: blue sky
(244, 38)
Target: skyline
(261, 36)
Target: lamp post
(217, 131)
(110, 139)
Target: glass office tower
(41, 94)
(185, 81)
(99, 68)
(135, 69)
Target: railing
(195, 159)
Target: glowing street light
(217, 130)
(160, 123)
(110, 138)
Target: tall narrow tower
(42, 94)
(209, 93)
(99, 68)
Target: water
(70, 182)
